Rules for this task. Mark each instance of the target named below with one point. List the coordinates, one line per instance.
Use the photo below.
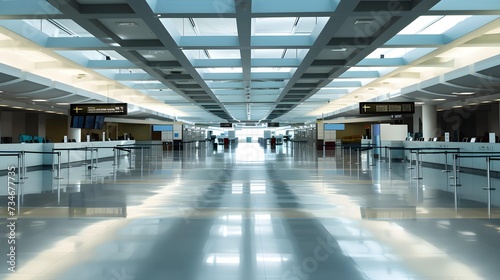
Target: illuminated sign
(98, 109)
(386, 108)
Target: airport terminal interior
(249, 139)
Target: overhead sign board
(386, 108)
(226, 125)
(273, 124)
(98, 109)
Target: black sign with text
(273, 124)
(98, 109)
(386, 108)
(226, 125)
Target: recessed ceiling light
(439, 99)
(39, 100)
(486, 101)
(364, 21)
(463, 93)
(419, 103)
(126, 24)
(156, 52)
(339, 50)
(62, 103)
(458, 106)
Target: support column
(417, 117)
(429, 121)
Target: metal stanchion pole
(488, 188)
(389, 157)
(96, 157)
(417, 163)
(86, 156)
(358, 156)
(455, 179)
(130, 159)
(58, 176)
(69, 159)
(24, 166)
(411, 160)
(350, 154)
(19, 167)
(114, 156)
(373, 155)
(142, 157)
(368, 156)
(445, 162)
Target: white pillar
(429, 121)
(416, 120)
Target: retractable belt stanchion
(96, 157)
(372, 156)
(488, 187)
(114, 156)
(389, 157)
(142, 157)
(19, 167)
(411, 160)
(23, 154)
(455, 179)
(58, 173)
(445, 162)
(417, 163)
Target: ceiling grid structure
(288, 61)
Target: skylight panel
(444, 24)
(225, 70)
(224, 54)
(432, 24)
(272, 69)
(216, 26)
(58, 28)
(286, 26)
(273, 26)
(206, 26)
(267, 53)
(390, 53)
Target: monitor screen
(334, 126)
(163, 127)
(89, 122)
(77, 121)
(99, 122)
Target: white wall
(393, 132)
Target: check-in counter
(35, 156)
(476, 149)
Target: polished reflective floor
(248, 213)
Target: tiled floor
(248, 213)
